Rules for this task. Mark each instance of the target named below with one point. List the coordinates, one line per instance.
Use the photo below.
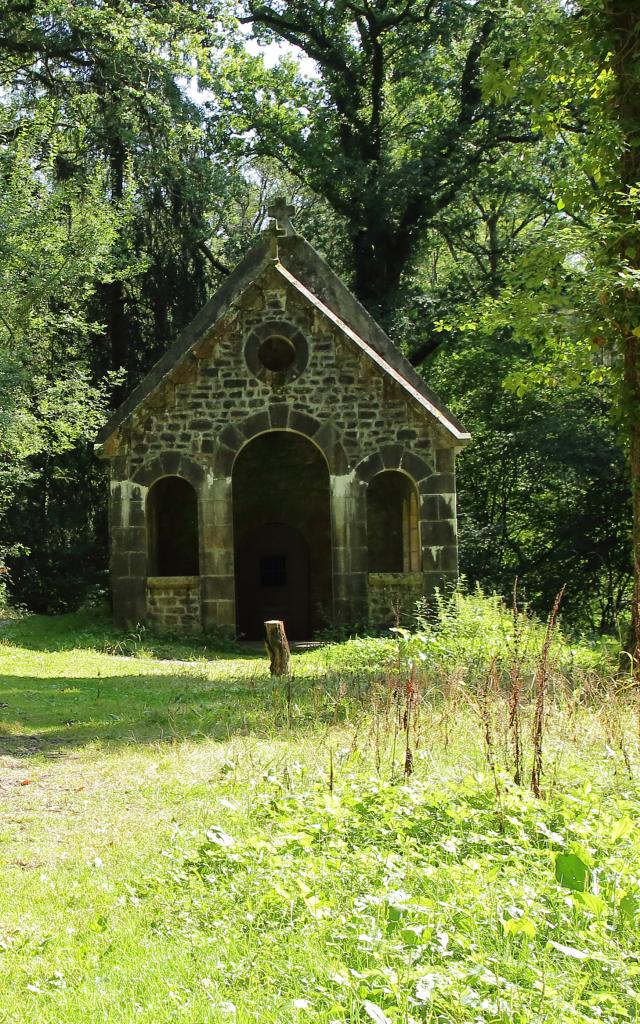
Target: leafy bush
(470, 631)
(462, 632)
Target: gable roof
(306, 271)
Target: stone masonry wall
(196, 421)
(393, 596)
(173, 604)
(339, 385)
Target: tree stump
(278, 648)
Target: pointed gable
(282, 459)
(302, 269)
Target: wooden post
(278, 648)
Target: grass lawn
(184, 839)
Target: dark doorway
(272, 568)
(172, 528)
(282, 535)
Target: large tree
(393, 125)
(620, 20)
(576, 293)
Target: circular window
(277, 353)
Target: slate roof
(305, 270)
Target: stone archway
(172, 528)
(393, 529)
(282, 535)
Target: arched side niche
(393, 524)
(172, 528)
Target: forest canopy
(472, 171)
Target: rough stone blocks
(363, 423)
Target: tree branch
(217, 264)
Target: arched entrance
(272, 578)
(282, 535)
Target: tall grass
(522, 678)
(191, 840)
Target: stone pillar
(438, 528)
(128, 561)
(217, 580)
(349, 548)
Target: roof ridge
(447, 420)
(360, 320)
(313, 276)
(240, 277)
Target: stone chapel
(281, 460)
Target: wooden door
(272, 581)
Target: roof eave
(239, 279)
(460, 436)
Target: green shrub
(466, 633)
(470, 631)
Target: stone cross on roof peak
(281, 213)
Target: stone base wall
(392, 597)
(173, 604)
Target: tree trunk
(379, 257)
(278, 648)
(632, 387)
(622, 22)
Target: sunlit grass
(184, 838)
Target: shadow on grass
(121, 699)
(45, 715)
(95, 631)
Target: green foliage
(390, 127)
(572, 872)
(473, 631)
(427, 901)
(543, 489)
(581, 275)
(469, 632)
(574, 291)
(57, 239)
(274, 856)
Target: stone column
(349, 548)
(438, 527)
(217, 580)
(128, 561)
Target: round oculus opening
(277, 353)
